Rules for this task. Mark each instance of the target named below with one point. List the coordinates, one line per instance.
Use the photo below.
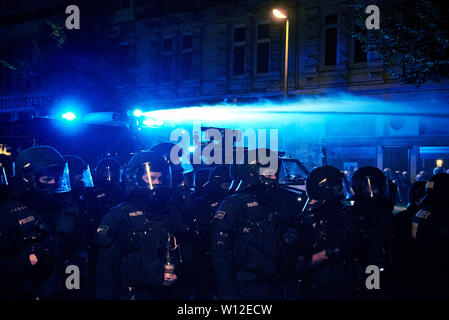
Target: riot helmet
(79, 171)
(268, 172)
(148, 175)
(201, 180)
(325, 183)
(42, 169)
(437, 190)
(7, 169)
(180, 166)
(371, 183)
(254, 172)
(219, 181)
(107, 173)
(415, 194)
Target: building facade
(213, 52)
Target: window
(359, 53)
(166, 59)
(263, 48)
(186, 57)
(330, 40)
(238, 55)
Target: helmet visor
(3, 178)
(53, 178)
(152, 178)
(108, 174)
(87, 178)
(333, 188)
(370, 187)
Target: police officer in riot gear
(108, 189)
(404, 248)
(326, 232)
(81, 183)
(41, 230)
(190, 200)
(430, 230)
(106, 193)
(140, 240)
(403, 219)
(200, 209)
(81, 187)
(247, 237)
(374, 199)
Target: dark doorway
(396, 158)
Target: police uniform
(326, 227)
(51, 236)
(198, 212)
(430, 230)
(132, 251)
(246, 249)
(374, 199)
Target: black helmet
(437, 170)
(416, 192)
(437, 190)
(201, 179)
(147, 173)
(325, 183)
(370, 183)
(107, 172)
(79, 171)
(219, 181)
(182, 165)
(254, 172)
(42, 169)
(7, 169)
(243, 176)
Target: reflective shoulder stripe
(414, 229)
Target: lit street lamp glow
(278, 14)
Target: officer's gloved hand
(42, 258)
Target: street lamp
(280, 15)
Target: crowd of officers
(156, 230)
